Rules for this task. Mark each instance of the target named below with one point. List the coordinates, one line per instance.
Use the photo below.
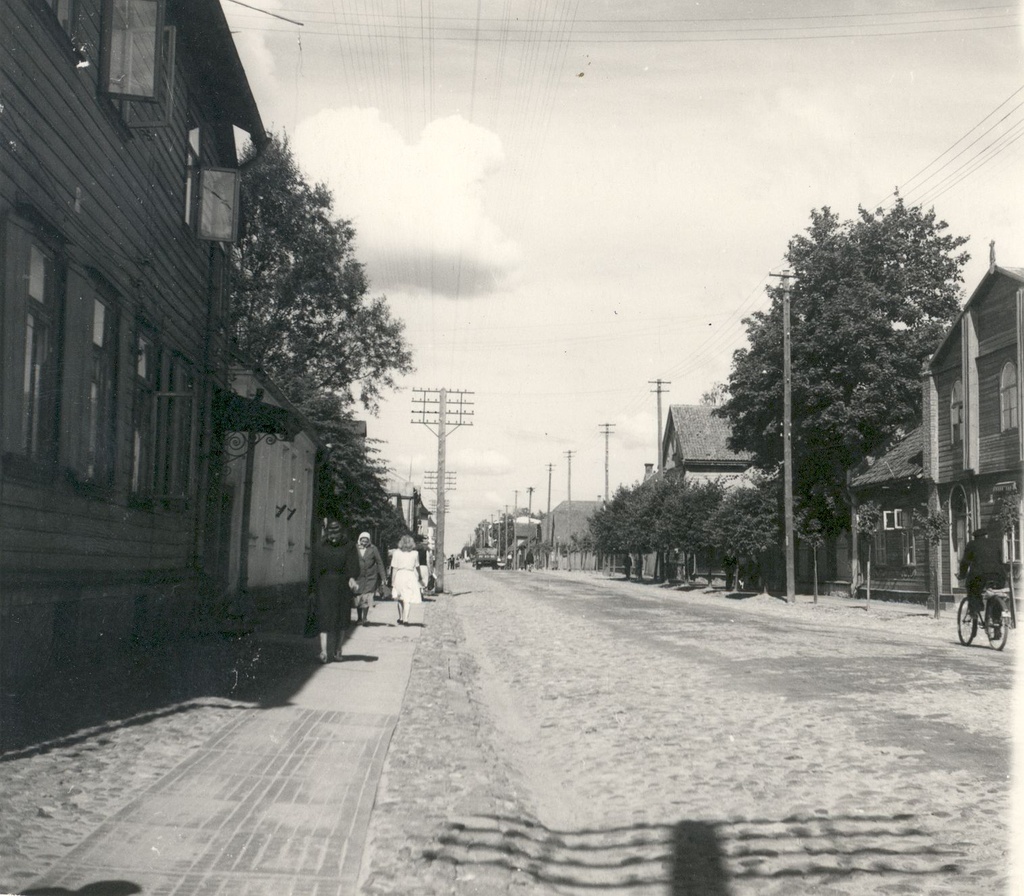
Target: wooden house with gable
(696, 445)
(118, 204)
(973, 439)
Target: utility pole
(529, 506)
(569, 455)
(658, 388)
(787, 439)
(434, 407)
(515, 541)
(551, 528)
(606, 428)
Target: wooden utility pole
(434, 407)
(658, 388)
(606, 428)
(787, 437)
(551, 528)
(529, 505)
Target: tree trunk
(815, 553)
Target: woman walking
(370, 577)
(406, 579)
(334, 575)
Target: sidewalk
(276, 802)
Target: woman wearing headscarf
(370, 578)
(406, 579)
(334, 574)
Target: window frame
(956, 413)
(115, 42)
(1009, 412)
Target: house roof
(570, 518)
(204, 31)
(703, 436)
(981, 289)
(904, 460)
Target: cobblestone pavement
(567, 734)
(570, 734)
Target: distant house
(973, 438)
(696, 445)
(900, 554)
(564, 528)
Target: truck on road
(486, 557)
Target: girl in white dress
(406, 580)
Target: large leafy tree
(870, 299)
(300, 303)
(301, 311)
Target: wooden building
(900, 552)
(973, 441)
(118, 195)
(696, 445)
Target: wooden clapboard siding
(951, 455)
(115, 196)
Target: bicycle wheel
(996, 627)
(966, 622)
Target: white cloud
(638, 431)
(419, 209)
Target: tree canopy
(300, 304)
(870, 300)
(301, 312)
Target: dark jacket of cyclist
(982, 565)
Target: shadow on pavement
(702, 858)
(98, 888)
(136, 685)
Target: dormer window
(132, 37)
(956, 413)
(1008, 397)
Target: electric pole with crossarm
(441, 410)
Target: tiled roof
(701, 435)
(902, 461)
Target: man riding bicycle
(982, 567)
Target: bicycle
(997, 617)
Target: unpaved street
(666, 742)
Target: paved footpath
(276, 801)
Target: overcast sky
(565, 200)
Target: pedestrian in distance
(370, 579)
(334, 572)
(529, 561)
(981, 567)
(406, 578)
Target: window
(892, 519)
(163, 428)
(31, 322)
(132, 37)
(1011, 544)
(192, 176)
(218, 210)
(909, 547)
(142, 414)
(956, 413)
(1008, 397)
(88, 406)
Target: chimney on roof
(992, 257)
(648, 471)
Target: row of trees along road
(871, 298)
(301, 312)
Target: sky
(567, 201)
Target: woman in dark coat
(370, 577)
(334, 579)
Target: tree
(808, 530)
(689, 508)
(300, 311)
(748, 523)
(871, 299)
(300, 308)
(869, 517)
(933, 524)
